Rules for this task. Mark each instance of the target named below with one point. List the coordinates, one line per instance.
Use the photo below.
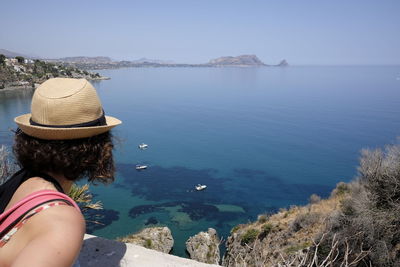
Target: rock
(157, 238)
(243, 60)
(204, 247)
(283, 63)
(151, 220)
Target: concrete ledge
(100, 252)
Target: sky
(304, 32)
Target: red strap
(29, 202)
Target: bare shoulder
(59, 217)
(55, 237)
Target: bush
(304, 220)
(148, 243)
(314, 199)
(20, 59)
(7, 168)
(341, 189)
(249, 236)
(262, 218)
(265, 230)
(234, 229)
(369, 216)
(2, 59)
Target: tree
(2, 59)
(20, 59)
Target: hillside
(243, 60)
(11, 54)
(359, 225)
(26, 73)
(83, 60)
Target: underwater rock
(151, 220)
(204, 247)
(157, 238)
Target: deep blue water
(260, 138)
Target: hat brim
(49, 133)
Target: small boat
(200, 187)
(141, 167)
(143, 146)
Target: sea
(261, 139)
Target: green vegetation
(295, 248)
(234, 229)
(262, 218)
(20, 59)
(81, 195)
(249, 236)
(267, 228)
(148, 243)
(341, 189)
(2, 59)
(18, 73)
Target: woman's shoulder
(58, 231)
(58, 220)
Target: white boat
(141, 167)
(143, 146)
(200, 187)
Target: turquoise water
(259, 138)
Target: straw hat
(65, 108)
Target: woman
(66, 137)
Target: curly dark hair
(75, 159)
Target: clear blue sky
(303, 32)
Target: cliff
(204, 247)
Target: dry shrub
(314, 198)
(7, 168)
(304, 220)
(370, 217)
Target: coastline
(26, 87)
(15, 88)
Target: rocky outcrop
(100, 252)
(283, 63)
(244, 60)
(204, 247)
(157, 238)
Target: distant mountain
(85, 60)
(156, 61)
(9, 53)
(243, 60)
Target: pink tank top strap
(29, 202)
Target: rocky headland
(157, 238)
(239, 61)
(107, 63)
(204, 247)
